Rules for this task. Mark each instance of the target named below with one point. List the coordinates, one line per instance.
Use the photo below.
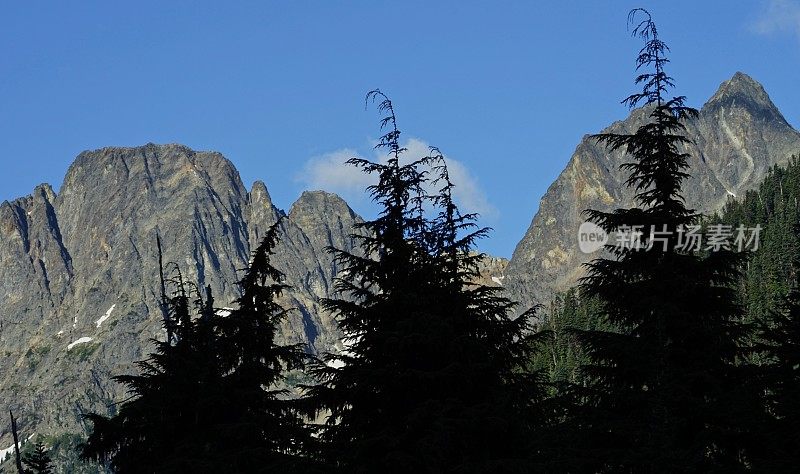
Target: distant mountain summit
(79, 276)
(737, 137)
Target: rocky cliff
(737, 137)
(79, 270)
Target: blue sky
(505, 89)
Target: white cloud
(468, 193)
(329, 172)
(779, 16)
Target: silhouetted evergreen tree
(167, 425)
(38, 461)
(206, 399)
(664, 391)
(262, 426)
(428, 380)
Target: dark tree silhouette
(38, 461)
(427, 382)
(780, 342)
(168, 423)
(261, 424)
(664, 391)
(206, 400)
(15, 435)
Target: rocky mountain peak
(259, 193)
(741, 84)
(742, 92)
(326, 219)
(79, 270)
(737, 137)
(45, 191)
(142, 166)
(311, 202)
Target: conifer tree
(774, 208)
(167, 424)
(561, 355)
(665, 394)
(261, 422)
(207, 399)
(38, 461)
(427, 381)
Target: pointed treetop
(652, 55)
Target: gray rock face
(738, 136)
(79, 271)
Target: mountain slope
(79, 270)
(738, 136)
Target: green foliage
(82, 352)
(62, 450)
(35, 354)
(770, 271)
(768, 276)
(561, 355)
(768, 290)
(779, 345)
(297, 378)
(37, 461)
(64, 453)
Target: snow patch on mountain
(105, 316)
(82, 340)
(6, 453)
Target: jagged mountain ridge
(737, 137)
(79, 275)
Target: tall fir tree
(262, 425)
(664, 392)
(167, 425)
(427, 382)
(38, 461)
(207, 399)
